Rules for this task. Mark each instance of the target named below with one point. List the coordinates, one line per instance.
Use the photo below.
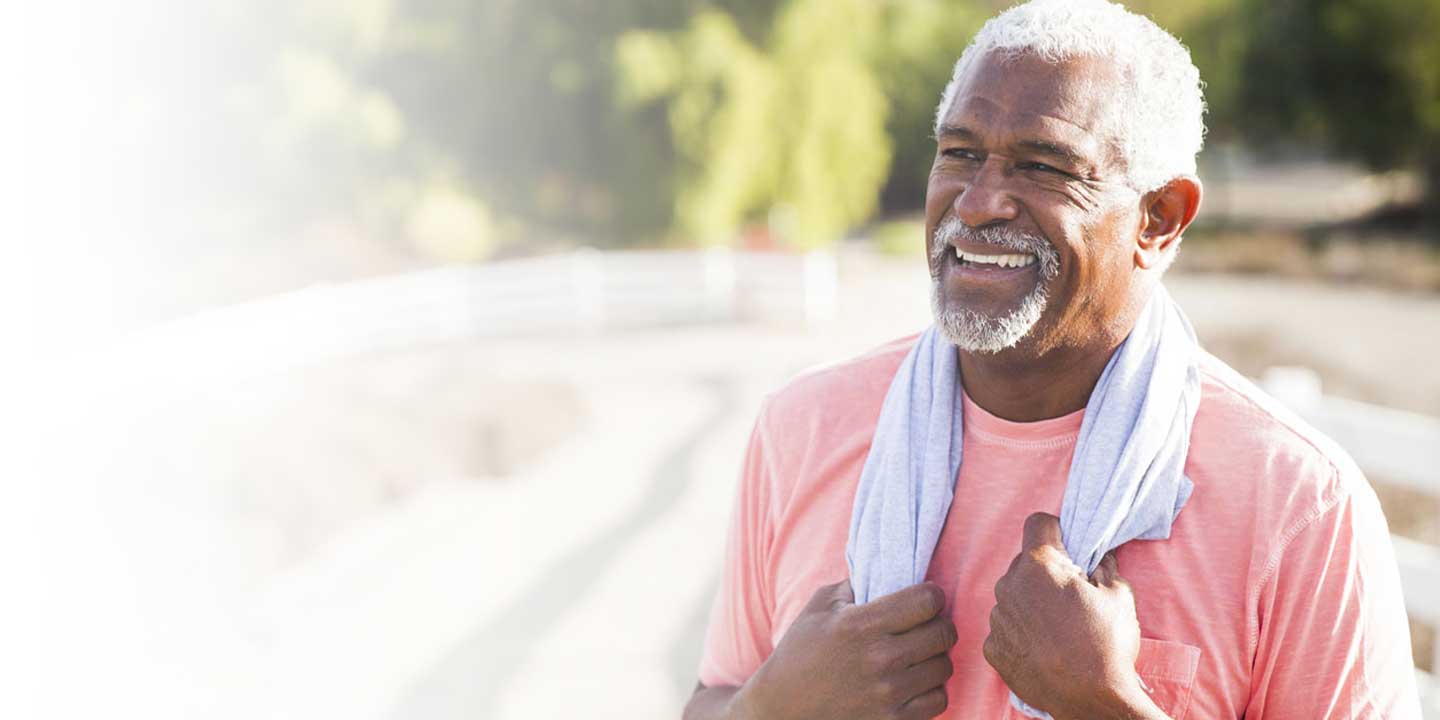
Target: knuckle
(848, 620)
(842, 626)
(879, 659)
(949, 636)
(934, 702)
(886, 690)
(1040, 555)
(936, 596)
(938, 670)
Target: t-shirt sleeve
(738, 638)
(1333, 640)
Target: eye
(960, 154)
(1042, 167)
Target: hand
(1064, 643)
(884, 659)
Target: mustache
(1000, 236)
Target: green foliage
(1362, 76)
(920, 43)
(1215, 31)
(561, 119)
(518, 99)
(796, 125)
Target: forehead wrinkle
(1075, 92)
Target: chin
(978, 332)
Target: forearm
(715, 703)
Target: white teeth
(1009, 260)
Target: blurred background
(395, 358)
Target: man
(1063, 180)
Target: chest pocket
(1168, 669)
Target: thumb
(1041, 529)
(830, 597)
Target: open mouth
(997, 261)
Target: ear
(1165, 213)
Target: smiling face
(1030, 222)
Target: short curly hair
(1160, 118)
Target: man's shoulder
(1253, 439)
(839, 390)
(818, 426)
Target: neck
(1056, 384)
(1028, 383)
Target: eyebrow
(1060, 151)
(954, 131)
(1049, 148)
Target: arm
(1332, 639)
(887, 658)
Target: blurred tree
(517, 99)
(791, 131)
(920, 42)
(1361, 76)
(1215, 33)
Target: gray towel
(1126, 480)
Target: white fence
(582, 292)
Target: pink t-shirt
(1276, 596)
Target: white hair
(1159, 119)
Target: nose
(983, 200)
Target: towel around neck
(1126, 478)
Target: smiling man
(1053, 501)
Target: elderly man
(1212, 556)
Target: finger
(1107, 572)
(904, 609)
(925, 705)
(928, 639)
(926, 676)
(830, 597)
(1041, 529)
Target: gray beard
(976, 332)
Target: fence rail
(581, 292)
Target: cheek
(940, 194)
(938, 197)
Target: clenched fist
(884, 659)
(1065, 643)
